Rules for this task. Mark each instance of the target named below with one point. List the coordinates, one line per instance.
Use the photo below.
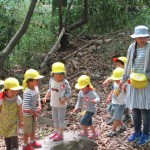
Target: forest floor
(95, 61)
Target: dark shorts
(86, 120)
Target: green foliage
(37, 39)
(103, 16)
(8, 21)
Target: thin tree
(15, 39)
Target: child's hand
(62, 100)
(38, 109)
(93, 101)
(108, 100)
(35, 114)
(74, 110)
(20, 124)
(44, 100)
(106, 82)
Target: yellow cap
(117, 74)
(58, 67)
(123, 59)
(83, 81)
(12, 84)
(1, 82)
(30, 74)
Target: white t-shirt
(19, 100)
(121, 98)
(57, 91)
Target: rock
(99, 42)
(71, 142)
(122, 34)
(79, 54)
(91, 48)
(99, 47)
(108, 41)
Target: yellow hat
(117, 74)
(12, 84)
(123, 59)
(83, 81)
(1, 82)
(58, 67)
(30, 74)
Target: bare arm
(20, 115)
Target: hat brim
(114, 78)
(39, 77)
(139, 35)
(1, 82)
(16, 88)
(79, 87)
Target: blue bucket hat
(140, 31)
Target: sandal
(83, 134)
(93, 136)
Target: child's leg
(14, 142)
(86, 121)
(61, 119)
(25, 139)
(85, 129)
(115, 125)
(61, 123)
(8, 143)
(55, 118)
(32, 136)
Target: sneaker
(83, 134)
(36, 144)
(53, 135)
(110, 122)
(58, 137)
(112, 134)
(143, 139)
(134, 137)
(93, 136)
(126, 118)
(28, 147)
(122, 129)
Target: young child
(120, 62)
(10, 112)
(118, 103)
(59, 90)
(87, 99)
(31, 107)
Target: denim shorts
(86, 120)
(117, 111)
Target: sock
(31, 141)
(25, 144)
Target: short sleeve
(19, 100)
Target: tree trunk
(55, 4)
(15, 39)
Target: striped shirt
(30, 100)
(139, 61)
